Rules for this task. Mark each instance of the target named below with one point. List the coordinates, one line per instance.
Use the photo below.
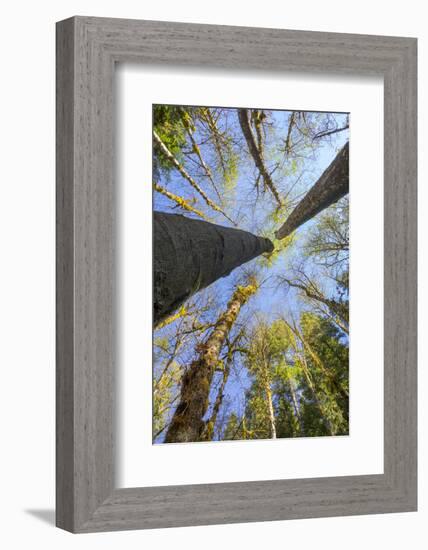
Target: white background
(27, 274)
(362, 451)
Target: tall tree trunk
(191, 254)
(309, 380)
(266, 380)
(187, 422)
(207, 433)
(331, 186)
(271, 412)
(344, 393)
(296, 406)
(315, 396)
(256, 154)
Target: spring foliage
(264, 352)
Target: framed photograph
(236, 274)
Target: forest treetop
(281, 363)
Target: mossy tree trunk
(330, 187)
(207, 433)
(179, 201)
(187, 423)
(191, 254)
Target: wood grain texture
(87, 50)
(64, 277)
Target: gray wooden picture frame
(87, 51)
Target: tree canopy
(262, 349)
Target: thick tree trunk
(331, 186)
(191, 254)
(187, 423)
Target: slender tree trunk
(167, 153)
(332, 306)
(309, 381)
(315, 397)
(331, 186)
(191, 254)
(259, 133)
(179, 201)
(265, 378)
(336, 320)
(255, 153)
(208, 431)
(317, 360)
(187, 423)
(271, 412)
(296, 407)
(288, 145)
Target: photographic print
(250, 273)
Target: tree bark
(207, 433)
(191, 254)
(331, 186)
(187, 423)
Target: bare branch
(330, 132)
(255, 153)
(197, 151)
(290, 128)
